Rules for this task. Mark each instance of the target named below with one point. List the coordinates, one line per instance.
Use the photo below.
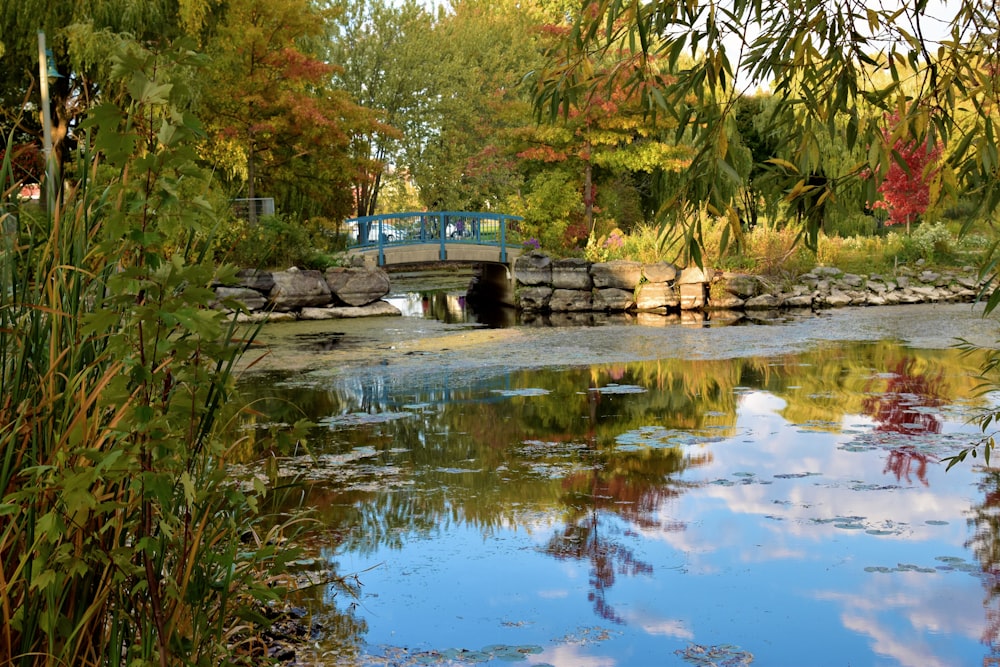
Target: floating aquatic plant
(402, 657)
(336, 422)
(619, 389)
(657, 437)
(937, 445)
(530, 391)
(948, 564)
(722, 655)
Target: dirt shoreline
(408, 345)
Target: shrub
(642, 245)
(276, 242)
(552, 202)
(929, 242)
(857, 224)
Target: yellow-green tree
(820, 59)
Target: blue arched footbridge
(433, 236)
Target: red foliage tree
(26, 162)
(906, 190)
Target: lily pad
(619, 389)
(723, 655)
(658, 437)
(335, 422)
(531, 391)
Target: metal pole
(442, 253)
(503, 238)
(43, 77)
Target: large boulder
(570, 300)
(724, 301)
(613, 299)
(571, 273)
(618, 274)
(250, 298)
(763, 302)
(357, 286)
(533, 269)
(262, 281)
(797, 301)
(836, 299)
(534, 298)
(741, 285)
(654, 296)
(376, 309)
(695, 274)
(693, 295)
(295, 289)
(660, 272)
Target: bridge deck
(433, 236)
(432, 252)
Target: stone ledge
(663, 288)
(282, 296)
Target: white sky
(934, 26)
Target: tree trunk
(251, 186)
(588, 192)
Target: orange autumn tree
(606, 134)
(274, 119)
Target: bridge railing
(439, 227)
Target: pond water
(784, 509)
(438, 295)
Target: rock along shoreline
(574, 290)
(565, 287)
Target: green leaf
(43, 580)
(189, 490)
(730, 173)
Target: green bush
(277, 242)
(857, 224)
(929, 242)
(642, 244)
(551, 203)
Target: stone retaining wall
(575, 290)
(295, 294)
(544, 285)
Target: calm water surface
(764, 510)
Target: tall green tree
(387, 63)
(486, 48)
(81, 36)
(609, 133)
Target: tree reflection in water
(582, 540)
(901, 461)
(633, 488)
(985, 543)
(907, 406)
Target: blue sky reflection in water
(787, 510)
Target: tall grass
(121, 540)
